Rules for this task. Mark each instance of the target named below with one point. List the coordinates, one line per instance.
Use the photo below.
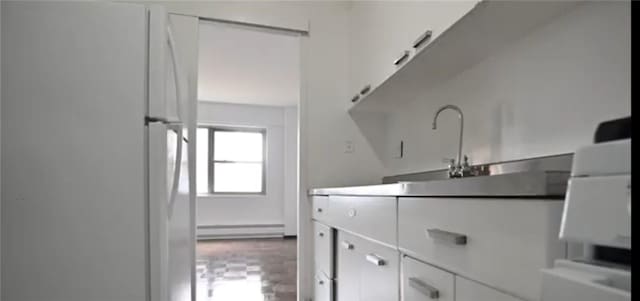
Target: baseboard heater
(205, 232)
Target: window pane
(238, 146)
(202, 161)
(237, 177)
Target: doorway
(249, 81)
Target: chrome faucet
(457, 168)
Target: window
(231, 160)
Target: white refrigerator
(98, 116)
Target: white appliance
(597, 214)
(97, 180)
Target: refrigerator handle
(176, 69)
(176, 171)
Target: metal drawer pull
(455, 238)
(375, 259)
(355, 98)
(402, 58)
(347, 245)
(320, 282)
(319, 209)
(321, 234)
(424, 288)
(422, 39)
(365, 90)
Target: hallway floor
(247, 270)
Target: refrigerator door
(167, 77)
(169, 212)
(159, 191)
(74, 197)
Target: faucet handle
(453, 168)
(465, 163)
(449, 161)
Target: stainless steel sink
(518, 184)
(540, 177)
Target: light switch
(398, 152)
(348, 147)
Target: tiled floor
(247, 270)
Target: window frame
(211, 159)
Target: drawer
(372, 217)
(467, 290)
(320, 205)
(501, 242)
(322, 288)
(323, 249)
(372, 267)
(348, 262)
(421, 282)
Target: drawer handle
(374, 259)
(319, 210)
(355, 98)
(454, 238)
(422, 39)
(365, 90)
(402, 58)
(424, 288)
(320, 282)
(347, 245)
(321, 234)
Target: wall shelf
(483, 31)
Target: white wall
(543, 95)
(325, 71)
(291, 171)
(273, 208)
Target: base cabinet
(366, 271)
(468, 290)
(421, 281)
(323, 288)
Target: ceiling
(247, 65)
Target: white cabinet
(372, 217)
(501, 242)
(319, 206)
(381, 32)
(468, 290)
(323, 249)
(323, 288)
(347, 268)
(421, 281)
(366, 271)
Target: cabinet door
(421, 281)
(379, 273)
(323, 248)
(467, 290)
(347, 267)
(380, 32)
(323, 288)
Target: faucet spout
(461, 118)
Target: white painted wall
(543, 95)
(325, 71)
(290, 167)
(275, 207)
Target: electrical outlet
(348, 147)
